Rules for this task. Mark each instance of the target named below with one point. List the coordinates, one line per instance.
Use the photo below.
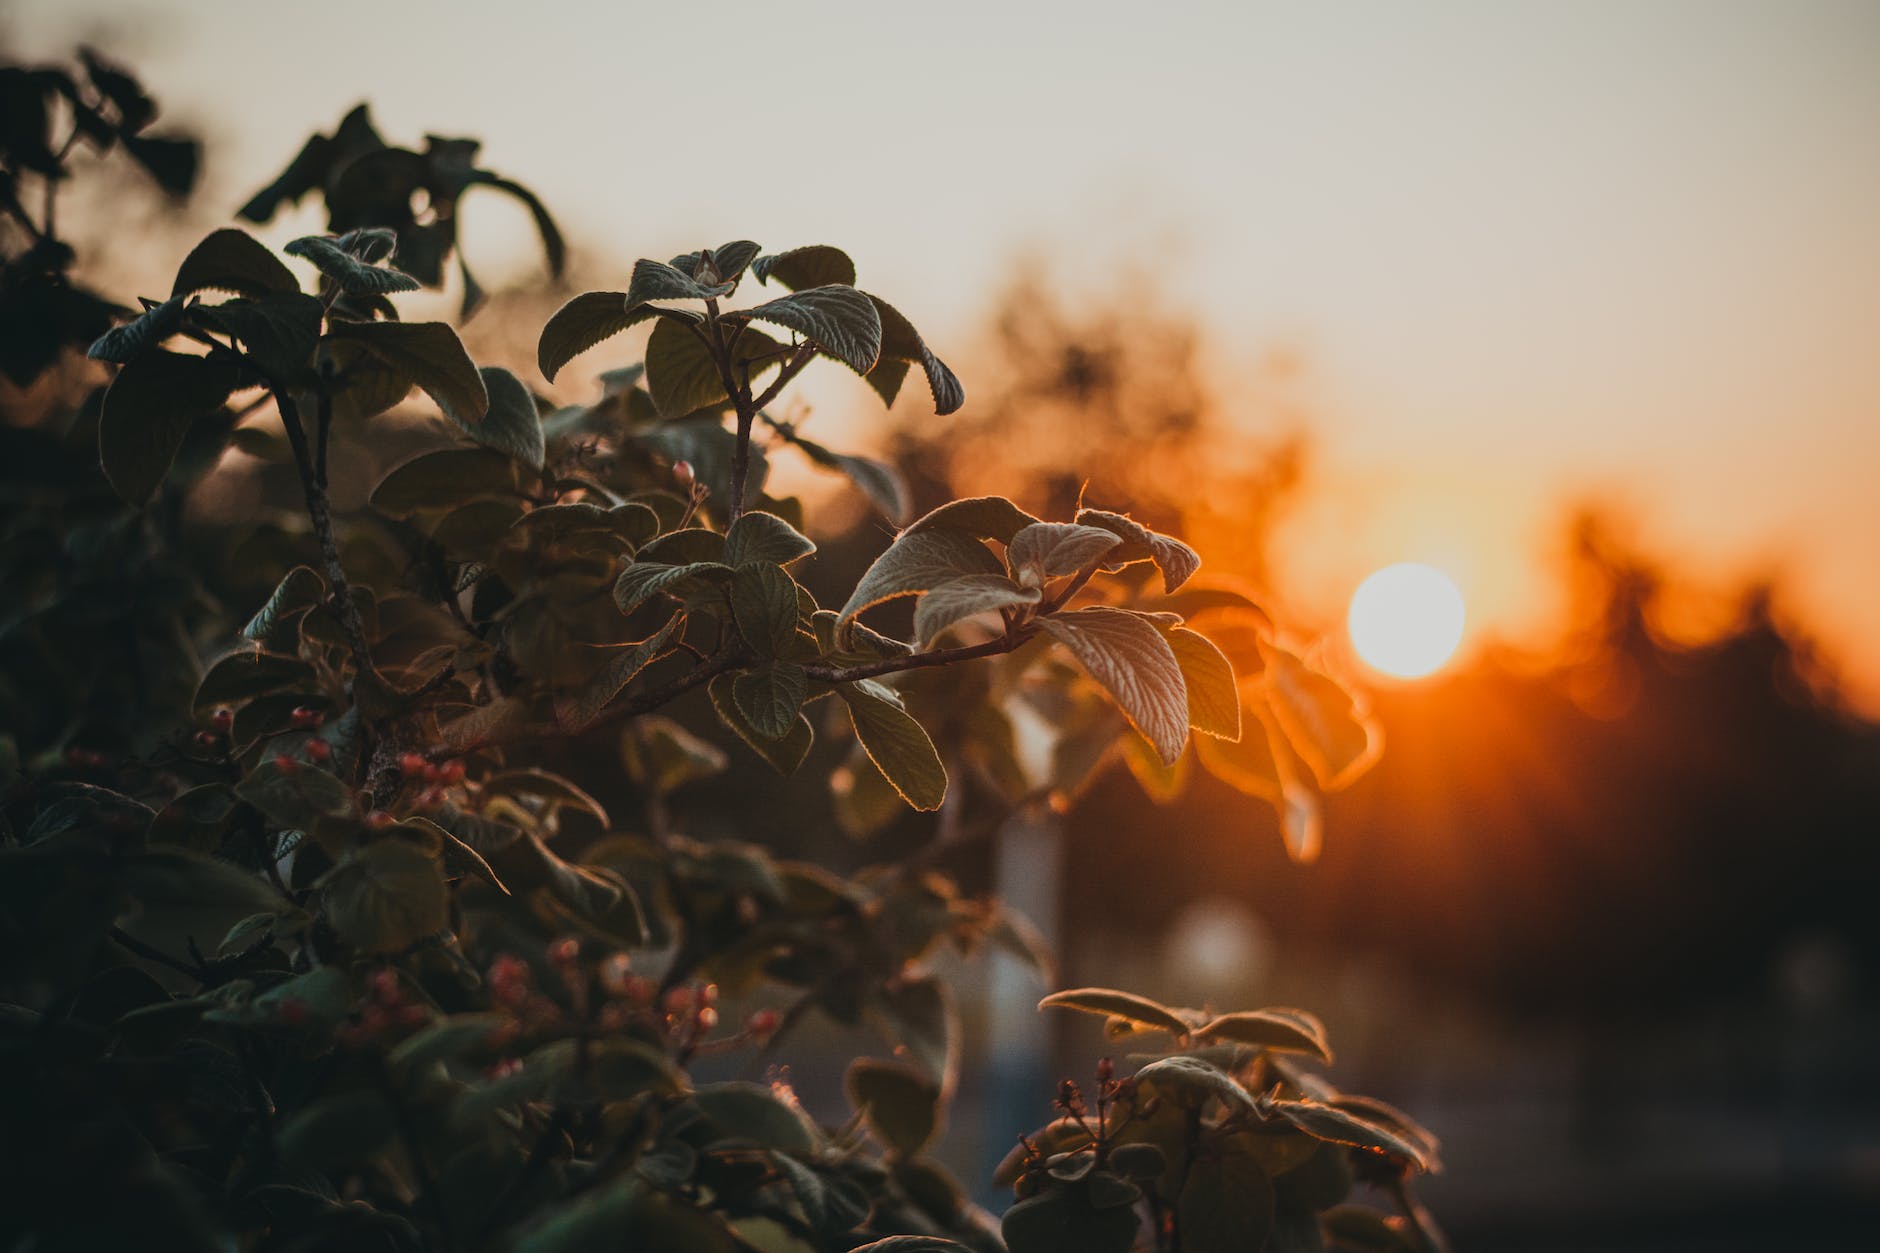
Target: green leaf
(643, 580)
(896, 743)
(683, 377)
(512, 424)
(918, 561)
(1111, 1003)
(839, 320)
(784, 753)
(1281, 1030)
(1226, 1202)
(817, 265)
(430, 355)
(298, 591)
(1062, 1220)
(655, 280)
(295, 799)
(151, 405)
(753, 1113)
(1049, 550)
(879, 481)
(984, 517)
(443, 479)
(352, 275)
(246, 673)
(577, 711)
(771, 697)
(1213, 694)
(1128, 657)
(899, 1105)
(122, 344)
(1199, 1079)
(1176, 560)
(761, 536)
(583, 322)
(901, 345)
(232, 260)
(278, 332)
(386, 896)
(763, 600)
(1327, 1122)
(960, 598)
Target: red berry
(433, 772)
(615, 972)
(763, 1021)
(306, 717)
(222, 719)
(452, 772)
(640, 989)
(386, 987)
(682, 473)
(678, 1000)
(706, 1018)
(565, 952)
(293, 1011)
(708, 995)
(207, 739)
(378, 820)
(319, 750)
(412, 763)
(1106, 1070)
(285, 764)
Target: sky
(1528, 252)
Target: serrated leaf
(1282, 1030)
(430, 355)
(1112, 1003)
(838, 319)
(879, 481)
(816, 265)
(582, 323)
(761, 536)
(299, 590)
(899, 1105)
(577, 711)
(386, 896)
(896, 743)
(122, 344)
(728, 262)
(445, 478)
(1048, 550)
(763, 600)
(771, 697)
(643, 580)
(149, 409)
(901, 345)
(964, 597)
(682, 376)
(352, 275)
(1130, 660)
(655, 280)
(784, 754)
(1213, 692)
(278, 332)
(918, 561)
(232, 260)
(512, 424)
(984, 517)
(1176, 560)
(1199, 1078)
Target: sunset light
(1406, 620)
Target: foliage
(296, 946)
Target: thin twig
(917, 661)
(320, 510)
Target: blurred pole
(1028, 874)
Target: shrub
(293, 957)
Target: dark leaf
(232, 260)
(763, 600)
(149, 409)
(901, 346)
(761, 536)
(299, 590)
(574, 712)
(430, 355)
(840, 320)
(784, 754)
(444, 479)
(173, 162)
(1226, 1202)
(512, 424)
(386, 896)
(278, 332)
(582, 323)
(1199, 1079)
(353, 276)
(985, 517)
(817, 265)
(899, 1105)
(123, 344)
(879, 481)
(682, 375)
(896, 743)
(771, 697)
(655, 280)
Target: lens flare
(1406, 620)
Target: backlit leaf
(840, 320)
(918, 562)
(1282, 1030)
(1111, 1003)
(817, 265)
(1128, 657)
(1047, 550)
(512, 424)
(761, 536)
(1213, 694)
(582, 323)
(961, 598)
(1176, 560)
(896, 743)
(901, 345)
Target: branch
(320, 510)
(917, 661)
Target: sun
(1406, 620)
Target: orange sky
(1528, 251)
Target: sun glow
(1406, 620)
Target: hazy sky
(1525, 249)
